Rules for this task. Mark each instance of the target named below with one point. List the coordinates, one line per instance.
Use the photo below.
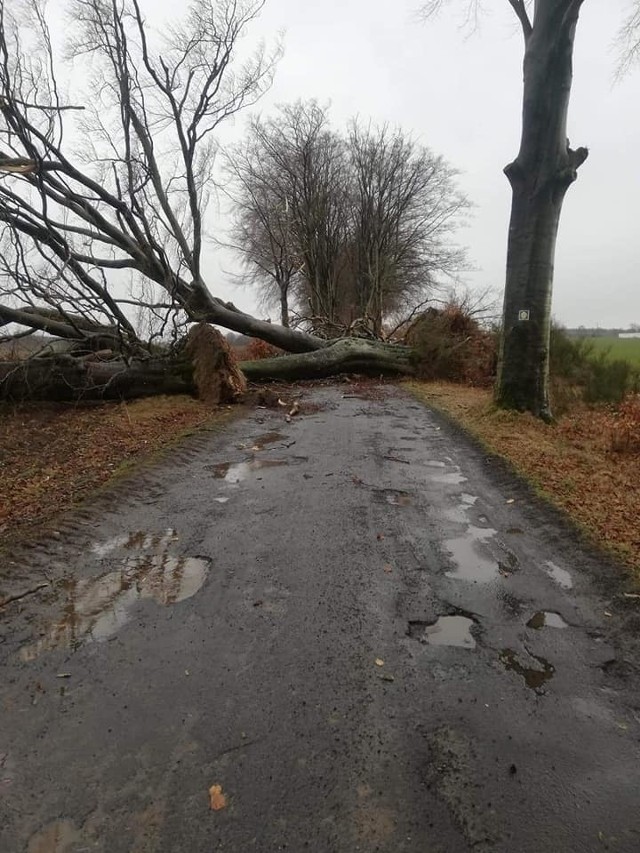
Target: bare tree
(629, 40)
(293, 180)
(364, 223)
(130, 201)
(405, 206)
(262, 232)
(540, 175)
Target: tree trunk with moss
(540, 175)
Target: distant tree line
(599, 332)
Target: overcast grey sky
(460, 95)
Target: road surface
(355, 631)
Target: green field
(626, 349)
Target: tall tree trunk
(540, 176)
(284, 306)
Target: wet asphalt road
(360, 627)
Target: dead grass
(569, 462)
(54, 455)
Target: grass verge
(570, 462)
(52, 456)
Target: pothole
(465, 551)
(445, 631)
(546, 619)
(509, 565)
(453, 478)
(239, 471)
(535, 678)
(94, 609)
(136, 540)
(393, 497)
(262, 441)
(560, 576)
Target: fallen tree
(202, 365)
(347, 355)
(63, 377)
(74, 224)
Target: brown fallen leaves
(573, 462)
(217, 799)
(53, 455)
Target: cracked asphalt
(357, 624)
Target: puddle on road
(560, 576)
(453, 478)
(59, 837)
(268, 438)
(221, 500)
(95, 609)
(546, 618)
(458, 514)
(434, 463)
(393, 497)
(534, 678)
(445, 631)
(471, 563)
(239, 471)
(397, 498)
(136, 540)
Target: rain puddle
(471, 563)
(138, 539)
(548, 619)
(397, 498)
(240, 471)
(95, 609)
(268, 438)
(458, 514)
(560, 576)
(393, 497)
(434, 463)
(453, 478)
(221, 500)
(534, 678)
(445, 631)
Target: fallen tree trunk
(65, 378)
(348, 355)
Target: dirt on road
(350, 632)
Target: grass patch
(52, 456)
(570, 462)
(618, 349)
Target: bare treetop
(132, 195)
